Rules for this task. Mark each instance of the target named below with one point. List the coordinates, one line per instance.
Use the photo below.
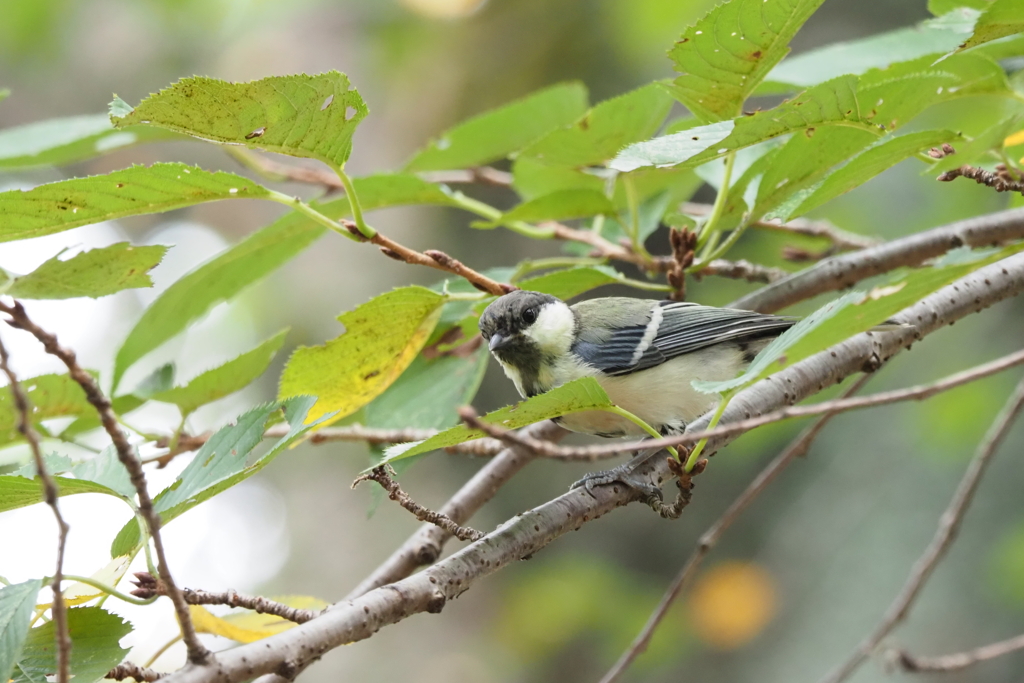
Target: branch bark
(960, 660)
(429, 590)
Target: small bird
(643, 352)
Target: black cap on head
(512, 313)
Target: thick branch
(428, 590)
(842, 271)
(51, 494)
(949, 525)
(960, 660)
(197, 653)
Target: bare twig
(915, 393)
(272, 169)
(382, 476)
(51, 495)
(742, 270)
(999, 180)
(130, 670)
(683, 244)
(949, 525)
(960, 660)
(709, 539)
(197, 653)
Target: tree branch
(197, 653)
(959, 660)
(360, 617)
(130, 670)
(949, 525)
(999, 180)
(51, 494)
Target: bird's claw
(625, 475)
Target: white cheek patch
(553, 330)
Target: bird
(643, 352)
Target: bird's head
(523, 327)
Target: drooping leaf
(219, 279)
(67, 204)
(248, 627)
(223, 380)
(571, 282)
(94, 273)
(725, 55)
(106, 470)
(498, 133)
(18, 492)
(605, 129)
(78, 593)
(301, 115)
(17, 602)
(572, 397)
(557, 206)
(95, 647)
(881, 156)
(68, 140)
(381, 339)
(1000, 18)
(49, 395)
(395, 189)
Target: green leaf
(533, 179)
(880, 157)
(90, 420)
(381, 339)
(940, 7)
(106, 470)
(571, 282)
(1000, 19)
(221, 463)
(19, 492)
(17, 603)
(305, 116)
(49, 395)
(557, 206)
(94, 273)
(226, 379)
(602, 132)
(219, 279)
(395, 189)
(95, 647)
(498, 133)
(725, 55)
(68, 140)
(54, 463)
(572, 397)
(67, 204)
(977, 149)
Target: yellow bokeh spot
(732, 603)
(1015, 139)
(444, 9)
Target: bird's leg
(632, 474)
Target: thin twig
(949, 525)
(483, 175)
(130, 670)
(197, 653)
(51, 494)
(709, 539)
(147, 586)
(684, 244)
(742, 270)
(395, 493)
(915, 393)
(999, 180)
(960, 660)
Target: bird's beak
(498, 342)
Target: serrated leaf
(605, 129)
(94, 273)
(17, 602)
(219, 279)
(876, 159)
(95, 647)
(67, 204)
(248, 627)
(571, 282)
(90, 420)
(381, 339)
(78, 593)
(68, 140)
(1000, 19)
(572, 397)
(498, 133)
(225, 379)
(557, 206)
(725, 55)
(301, 115)
(18, 492)
(221, 463)
(49, 395)
(106, 470)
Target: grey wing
(675, 329)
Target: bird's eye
(529, 316)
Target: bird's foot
(626, 475)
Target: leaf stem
(711, 224)
(353, 201)
(622, 412)
(695, 453)
(308, 211)
(492, 214)
(110, 590)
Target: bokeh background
(792, 588)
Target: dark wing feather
(684, 328)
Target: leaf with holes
(381, 339)
(226, 379)
(305, 116)
(217, 280)
(95, 647)
(498, 133)
(69, 140)
(1000, 19)
(17, 602)
(572, 397)
(94, 273)
(725, 55)
(134, 191)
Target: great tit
(643, 352)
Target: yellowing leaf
(381, 339)
(78, 593)
(1015, 139)
(247, 626)
(731, 603)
